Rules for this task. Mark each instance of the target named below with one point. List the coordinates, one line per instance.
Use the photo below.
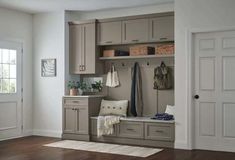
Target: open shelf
(136, 57)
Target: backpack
(162, 77)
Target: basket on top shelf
(140, 50)
(165, 49)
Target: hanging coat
(136, 108)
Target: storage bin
(141, 50)
(165, 49)
(112, 53)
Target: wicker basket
(165, 49)
(141, 50)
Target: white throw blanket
(105, 124)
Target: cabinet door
(75, 48)
(109, 33)
(69, 120)
(82, 122)
(89, 49)
(162, 28)
(135, 31)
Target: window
(7, 71)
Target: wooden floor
(31, 148)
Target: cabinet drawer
(157, 131)
(131, 129)
(94, 128)
(75, 101)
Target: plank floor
(31, 148)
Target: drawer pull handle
(159, 131)
(162, 39)
(108, 42)
(135, 40)
(75, 101)
(130, 129)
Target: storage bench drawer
(159, 131)
(75, 101)
(94, 128)
(130, 129)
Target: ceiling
(36, 6)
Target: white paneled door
(10, 89)
(215, 90)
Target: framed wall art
(48, 67)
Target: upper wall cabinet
(135, 31)
(161, 28)
(109, 33)
(82, 56)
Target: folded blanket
(163, 116)
(105, 124)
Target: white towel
(105, 125)
(109, 79)
(112, 78)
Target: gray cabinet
(75, 119)
(76, 114)
(135, 31)
(82, 53)
(109, 33)
(138, 29)
(161, 28)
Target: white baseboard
(182, 145)
(27, 133)
(47, 133)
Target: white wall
(17, 26)
(111, 13)
(48, 38)
(193, 14)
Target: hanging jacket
(136, 108)
(162, 77)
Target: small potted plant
(97, 86)
(73, 88)
(82, 86)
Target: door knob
(196, 96)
